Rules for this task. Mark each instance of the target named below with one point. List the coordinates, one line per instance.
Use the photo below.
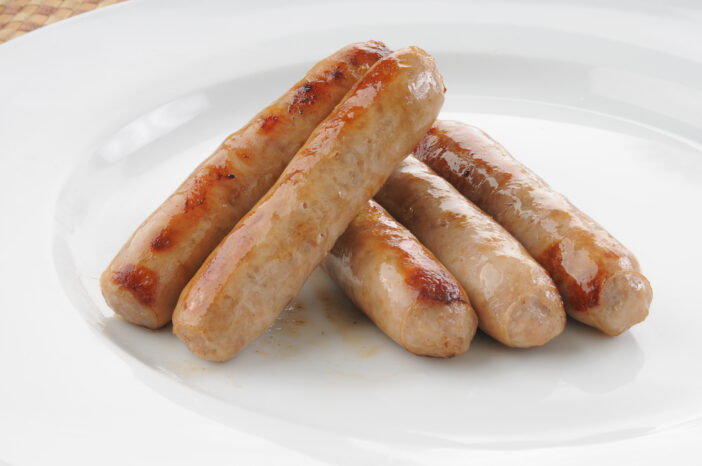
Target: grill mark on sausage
(434, 285)
(306, 96)
(367, 55)
(353, 107)
(203, 184)
(165, 238)
(162, 241)
(581, 297)
(382, 73)
(338, 74)
(422, 271)
(269, 123)
(139, 280)
(355, 104)
(436, 146)
(195, 204)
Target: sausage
(145, 279)
(401, 286)
(516, 301)
(261, 265)
(599, 279)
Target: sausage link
(260, 266)
(401, 286)
(598, 277)
(146, 277)
(516, 301)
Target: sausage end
(534, 319)
(197, 342)
(439, 330)
(625, 299)
(121, 298)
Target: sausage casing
(259, 267)
(598, 277)
(515, 299)
(143, 282)
(401, 286)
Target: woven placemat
(19, 17)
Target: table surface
(18, 17)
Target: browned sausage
(260, 266)
(401, 286)
(516, 301)
(144, 280)
(597, 276)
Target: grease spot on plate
(354, 328)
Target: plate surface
(601, 101)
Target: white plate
(103, 115)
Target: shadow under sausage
(581, 357)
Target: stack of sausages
(459, 235)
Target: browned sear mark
(162, 241)
(434, 285)
(436, 143)
(338, 74)
(383, 72)
(579, 297)
(196, 198)
(312, 91)
(307, 95)
(369, 55)
(141, 281)
(421, 270)
(268, 123)
(352, 108)
(197, 195)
